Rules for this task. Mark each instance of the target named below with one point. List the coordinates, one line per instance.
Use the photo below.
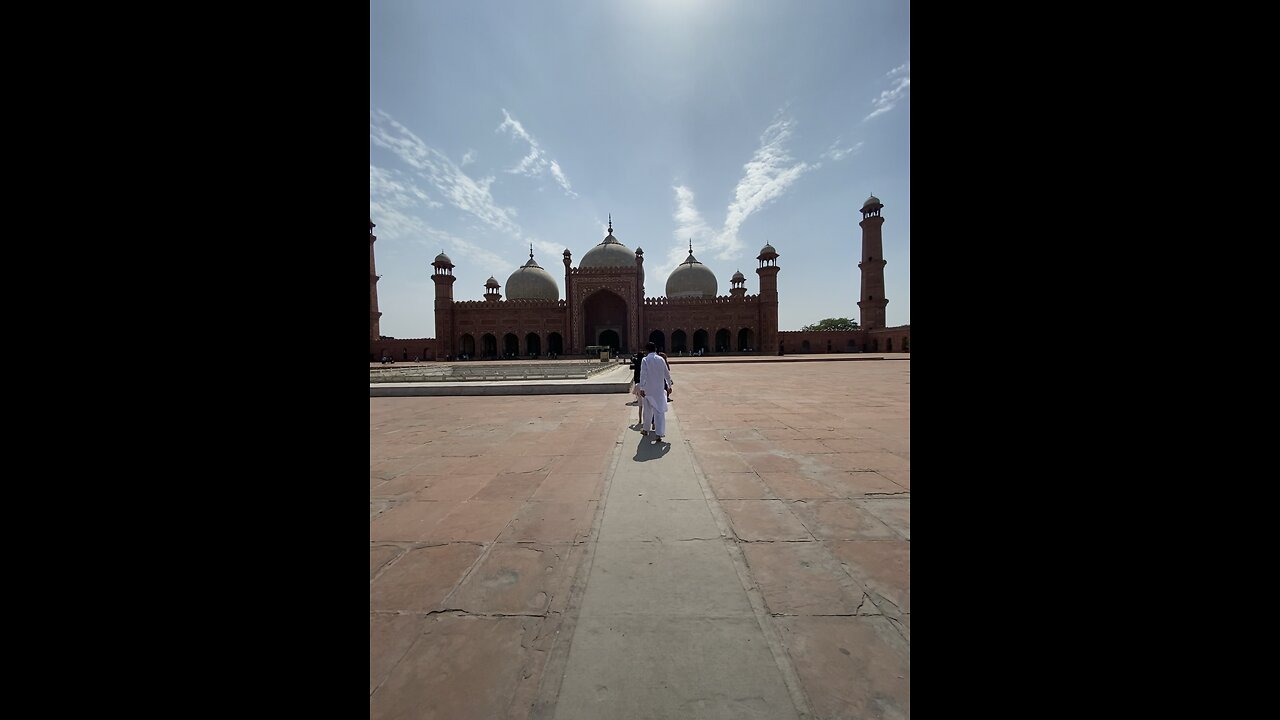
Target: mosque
(605, 306)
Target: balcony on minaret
(871, 208)
(443, 265)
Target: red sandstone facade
(606, 306)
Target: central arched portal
(602, 313)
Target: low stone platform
(489, 371)
(606, 378)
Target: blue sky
(494, 124)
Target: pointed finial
(690, 246)
(610, 223)
(530, 251)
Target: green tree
(833, 324)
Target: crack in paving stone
(460, 612)
(784, 614)
(899, 627)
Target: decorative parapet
(498, 304)
(607, 270)
(694, 302)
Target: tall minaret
(872, 300)
(374, 332)
(768, 319)
(444, 279)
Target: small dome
(531, 282)
(566, 252)
(609, 253)
(739, 277)
(491, 283)
(872, 201)
(768, 251)
(691, 279)
(443, 259)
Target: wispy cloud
(392, 198)
(766, 177)
(889, 98)
(455, 186)
(835, 152)
(469, 158)
(536, 163)
(689, 222)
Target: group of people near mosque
(651, 376)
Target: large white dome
(691, 279)
(531, 282)
(609, 253)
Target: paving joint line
(799, 698)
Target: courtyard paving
(535, 557)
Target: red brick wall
(863, 340)
(402, 349)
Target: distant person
(636, 360)
(655, 378)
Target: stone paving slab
(410, 521)
(453, 488)
(840, 520)
(567, 487)
(673, 667)
(850, 667)
(740, 486)
(390, 637)
(422, 579)
(624, 580)
(800, 578)
(764, 520)
(380, 555)
(894, 512)
(460, 667)
(516, 579)
(883, 567)
(474, 521)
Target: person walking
(668, 363)
(655, 378)
(635, 388)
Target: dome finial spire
(610, 223)
(690, 246)
(530, 251)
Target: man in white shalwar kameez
(655, 376)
